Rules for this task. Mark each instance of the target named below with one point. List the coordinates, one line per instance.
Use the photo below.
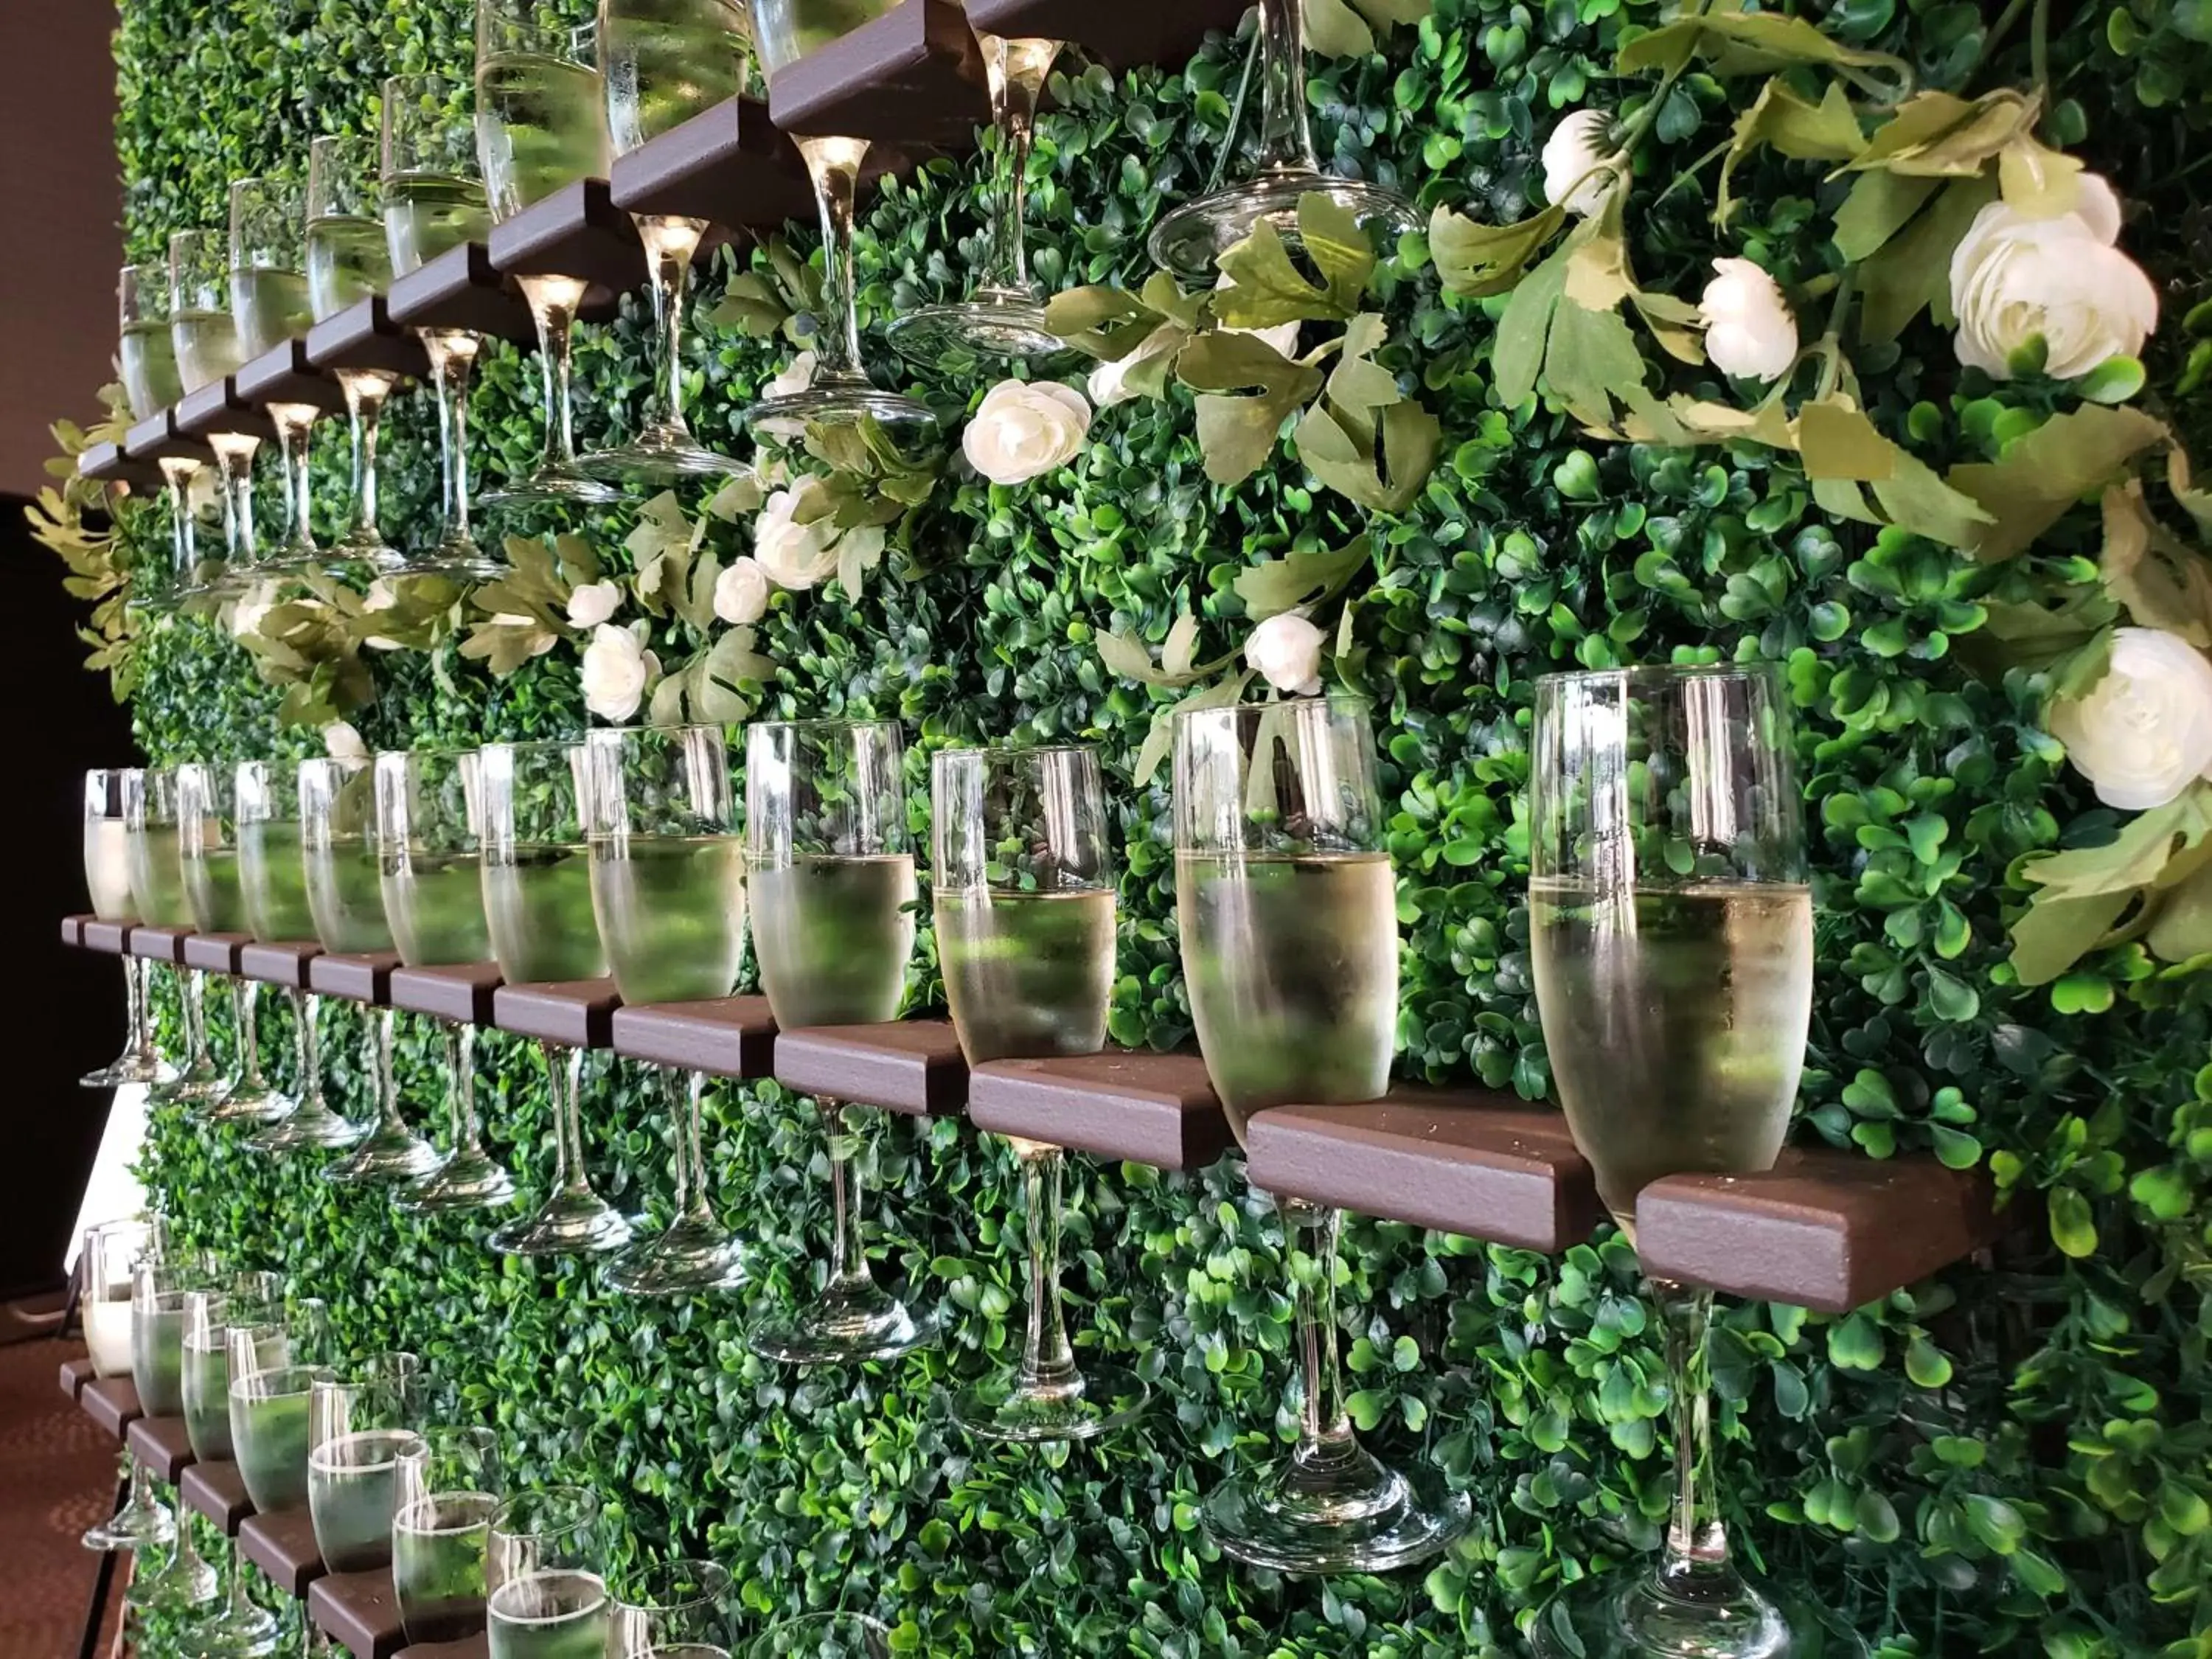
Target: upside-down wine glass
(448, 1489)
(1024, 902)
(1002, 318)
(544, 1568)
(668, 888)
(842, 394)
(269, 304)
(273, 875)
(148, 354)
(537, 899)
(113, 1253)
(345, 895)
(349, 260)
(157, 890)
(1287, 915)
(673, 1608)
(207, 814)
(664, 62)
(1284, 168)
(541, 123)
(434, 202)
(830, 873)
(430, 825)
(1671, 933)
(107, 886)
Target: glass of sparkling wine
(207, 816)
(107, 887)
(538, 901)
(241, 1627)
(157, 1334)
(355, 1441)
(269, 304)
(1282, 169)
(830, 870)
(544, 1570)
(823, 1636)
(1002, 318)
(664, 62)
(1287, 913)
(348, 261)
(541, 123)
(429, 824)
(202, 334)
(1671, 932)
(841, 395)
(269, 1421)
(675, 1607)
(109, 1266)
(149, 358)
(668, 888)
(210, 1317)
(273, 877)
(449, 1487)
(153, 841)
(433, 201)
(1023, 900)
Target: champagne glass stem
(365, 392)
(245, 1008)
(177, 474)
(294, 422)
(233, 456)
(1325, 1436)
(1047, 1360)
(693, 1201)
(306, 1055)
(461, 1075)
(553, 302)
(1017, 69)
(196, 1033)
(849, 1261)
(1695, 1562)
(670, 245)
(564, 1071)
(834, 164)
(1285, 136)
(453, 354)
(381, 1025)
(135, 970)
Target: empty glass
(449, 1488)
(673, 1606)
(107, 886)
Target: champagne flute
(207, 814)
(251, 1345)
(1288, 919)
(157, 1333)
(153, 839)
(269, 303)
(537, 899)
(1671, 933)
(1003, 317)
(109, 1265)
(107, 887)
(269, 1421)
(668, 889)
(148, 354)
(434, 202)
(181, 1584)
(202, 334)
(430, 824)
(349, 260)
(664, 62)
(1024, 907)
(356, 1438)
(1285, 168)
(675, 1607)
(273, 875)
(830, 873)
(210, 1317)
(842, 394)
(541, 121)
(542, 1566)
(449, 1488)
(345, 893)
(823, 1636)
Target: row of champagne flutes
(366, 1448)
(1671, 938)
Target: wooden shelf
(158, 440)
(912, 1066)
(282, 962)
(360, 1611)
(159, 944)
(1150, 1108)
(217, 408)
(282, 1544)
(461, 289)
(216, 953)
(76, 1373)
(571, 1014)
(109, 937)
(913, 76)
(217, 1491)
(355, 978)
(363, 336)
(107, 463)
(733, 1037)
(469, 1647)
(112, 1402)
(1121, 34)
(73, 929)
(577, 232)
(728, 165)
(284, 375)
(461, 993)
(163, 1445)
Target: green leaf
(1335, 30)
(1937, 135)
(1389, 472)
(1516, 354)
(2084, 891)
(1477, 260)
(2112, 382)
(1237, 435)
(1279, 584)
(2181, 925)
(1825, 131)
(2040, 475)
(1993, 1521)
(1107, 323)
(1837, 441)
(1747, 43)
(1265, 289)
(1876, 209)
(1912, 273)
(1589, 361)
(2162, 583)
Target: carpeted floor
(57, 1477)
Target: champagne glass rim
(672, 1586)
(602, 734)
(1011, 750)
(1348, 701)
(1660, 673)
(532, 745)
(827, 723)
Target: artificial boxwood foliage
(2016, 1458)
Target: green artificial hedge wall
(2014, 1458)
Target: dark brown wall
(61, 200)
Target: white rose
(791, 554)
(741, 592)
(617, 670)
(594, 603)
(2014, 278)
(2144, 731)
(341, 742)
(1283, 336)
(1576, 176)
(1110, 382)
(1025, 429)
(1749, 331)
(1285, 650)
(797, 377)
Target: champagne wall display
(2014, 1458)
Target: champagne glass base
(458, 559)
(692, 1258)
(567, 1225)
(391, 1156)
(374, 552)
(134, 1526)
(293, 560)
(200, 1086)
(661, 454)
(246, 1633)
(129, 1068)
(177, 1588)
(847, 1325)
(1606, 1619)
(1364, 1517)
(1000, 1407)
(888, 423)
(994, 323)
(1188, 240)
(548, 485)
(466, 1180)
(259, 1103)
(314, 1125)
